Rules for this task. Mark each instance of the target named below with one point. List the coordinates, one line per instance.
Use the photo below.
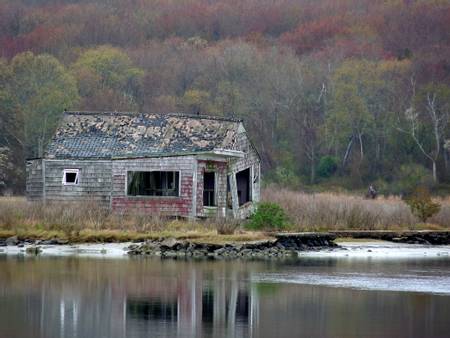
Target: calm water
(321, 297)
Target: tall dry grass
(308, 212)
(344, 211)
(18, 213)
(89, 222)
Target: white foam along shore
(106, 250)
(376, 250)
(382, 250)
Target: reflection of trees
(120, 298)
(91, 297)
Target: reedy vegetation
(306, 212)
(361, 83)
(339, 211)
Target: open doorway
(243, 186)
(209, 189)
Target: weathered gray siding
(94, 181)
(250, 160)
(34, 180)
(183, 205)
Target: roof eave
(227, 153)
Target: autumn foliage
(350, 80)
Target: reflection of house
(210, 306)
(174, 165)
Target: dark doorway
(209, 189)
(243, 186)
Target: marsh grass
(328, 211)
(89, 222)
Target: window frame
(71, 171)
(151, 196)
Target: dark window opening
(70, 176)
(153, 183)
(209, 189)
(243, 186)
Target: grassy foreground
(87, 222)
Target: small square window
(71, 176)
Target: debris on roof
(126, 135)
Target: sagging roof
(105, 135)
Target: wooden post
(234, 195)
(194, 189)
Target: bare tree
(308, 116)
(435, 114)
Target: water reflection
(73, 297)
(212, 303)
(152, 309)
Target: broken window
(209, 190)
(243, 186)
(153, 183)
(71, 176)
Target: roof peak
(181, 115)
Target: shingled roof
(85, 135)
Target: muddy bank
(281, 246)
(408, 237)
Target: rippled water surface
(309, 297)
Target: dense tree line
(345, 92)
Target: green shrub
(327, 166)
(421, 204)
(268, 216)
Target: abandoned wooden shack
(162, 164)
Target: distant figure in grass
(372, 192)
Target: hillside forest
(334, 93)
